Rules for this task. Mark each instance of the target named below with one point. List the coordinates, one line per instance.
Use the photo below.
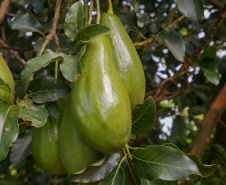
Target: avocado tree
(112, 92)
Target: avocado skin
(6, 75)
(75, 154)
(126, 59)
(100, 102)
(45, 147)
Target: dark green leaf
(8, 127)
(53, 109)
(37, 63)
(71, 65)
(154, 182)
(175, 44)
(116, 177)
(74, 20)
(36, 114)
(162, 162)
(38, 6)
(132, 2)
(131, 178)
(144, 116)
(21, 149)
(178, 131)
(92, 30)
(96, 173)
(193, 10)
(205, 170)
(26, 23)
(42, 90)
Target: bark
(209, 123)
(3, 9)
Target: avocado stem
(86, 13)
(110, 7)
(98, 11)
(90, 12)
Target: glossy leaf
(143, 116)
(74, 20)
(21, 149)
(92, 30)
(37, 63)
(96, 173)
(71, 65)
(116, 177)
(26, 23)
(175, 44)
(34, 113)
(42, 90)
(205, 170)
(131, 178)
(8, 127)
(162, 162)
(193, 10)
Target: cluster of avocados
(95, 119)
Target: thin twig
(11, 14)
(4, 39)
(52, 34)
(3, 9)
(86, 13)
(149, 41)
(222, 123)
(90, 12)
(17, 49)
(110, 7)
(98, 11)
(217, 4)
(13, 53)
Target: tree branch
(16, 49)
(52, 34)
(13, 53)
(217, 4)
(3, 9)
(209, 123)
(90, 12)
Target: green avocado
(75, 154)
(45, 146)
(5, 75)
(100, 102)
(126, 59)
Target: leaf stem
(86, 13)
(90, 12)
(98, 11)
(110, 7)
(56, 69)
(132, 148)
(149, 41)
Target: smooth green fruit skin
(6, 75)
(75, 154)
(100, 102)
(45, 147)
(126, 59)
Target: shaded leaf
(26, 23)
(175, 44)
(132, 2)
(178, 131)
(71, 65)
(46, 89)
(131, 178)
(193, 10)
(8, 127)
(116, 177)
(96, 173)
(36, 114)
(162, 162)
(4, 83)
(53, 109)
(205, 170)
(143, 116)
(92, 30)
(74, 20)
(154, 182)
(37, 63)
(21, 149)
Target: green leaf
(37, 63)
(8, 127)
(36, 114)
(42, 90)
(162, 162)
(193, 10)
(71, 65)
(178, 131)
(74, 20)
(212, 75)
(92, 30)
(96, 173)
(21, 149)
(205, 170)
(130, 177)
(132, 2)
(175, 44)
(154, 182)
(3, 83)
(143, 116)
(116, 177)
(26, 23)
